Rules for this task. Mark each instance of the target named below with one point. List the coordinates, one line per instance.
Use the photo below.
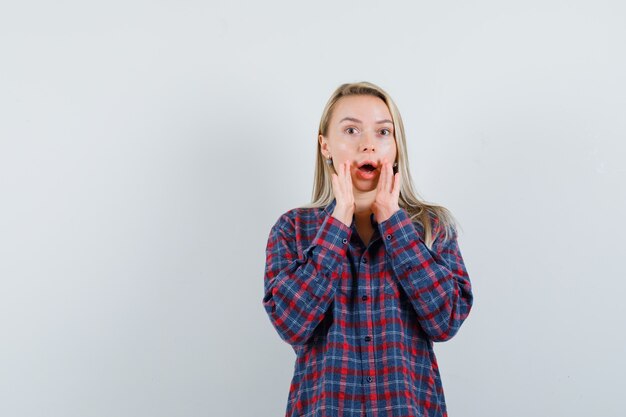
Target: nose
(367, 142)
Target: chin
(365, 186)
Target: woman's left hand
(387, 193)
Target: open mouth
(367, 166)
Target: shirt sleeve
(299, 289)
(436, 281)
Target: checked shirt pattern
(362, 320)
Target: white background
(146, 148)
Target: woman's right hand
(342, 189)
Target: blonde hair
(433, 218)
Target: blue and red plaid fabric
(362, 320)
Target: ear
(324, 145)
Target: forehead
(363, 107)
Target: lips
(368, 166)
(367, 171)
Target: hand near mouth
(342, 189)
(387, 193)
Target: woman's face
(360, 131)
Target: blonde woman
(365, 278)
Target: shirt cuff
(333, 235)
(400, 236)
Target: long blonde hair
(433, 218)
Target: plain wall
(146, 148)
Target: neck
(363, 203)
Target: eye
(351, 131)
(385, 132)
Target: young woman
(364, 279)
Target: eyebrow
(352, 119)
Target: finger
(349, 181)
(333, 179)
(340, 176)
(388, 176)
(396, 186)
(385, 181)
(381, 178)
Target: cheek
(388, 149)
(342, 148)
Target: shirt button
(364, 298)
(369, 379)
(388, 237)
(368, 338)
(345, 241)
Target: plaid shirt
(362, 320)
